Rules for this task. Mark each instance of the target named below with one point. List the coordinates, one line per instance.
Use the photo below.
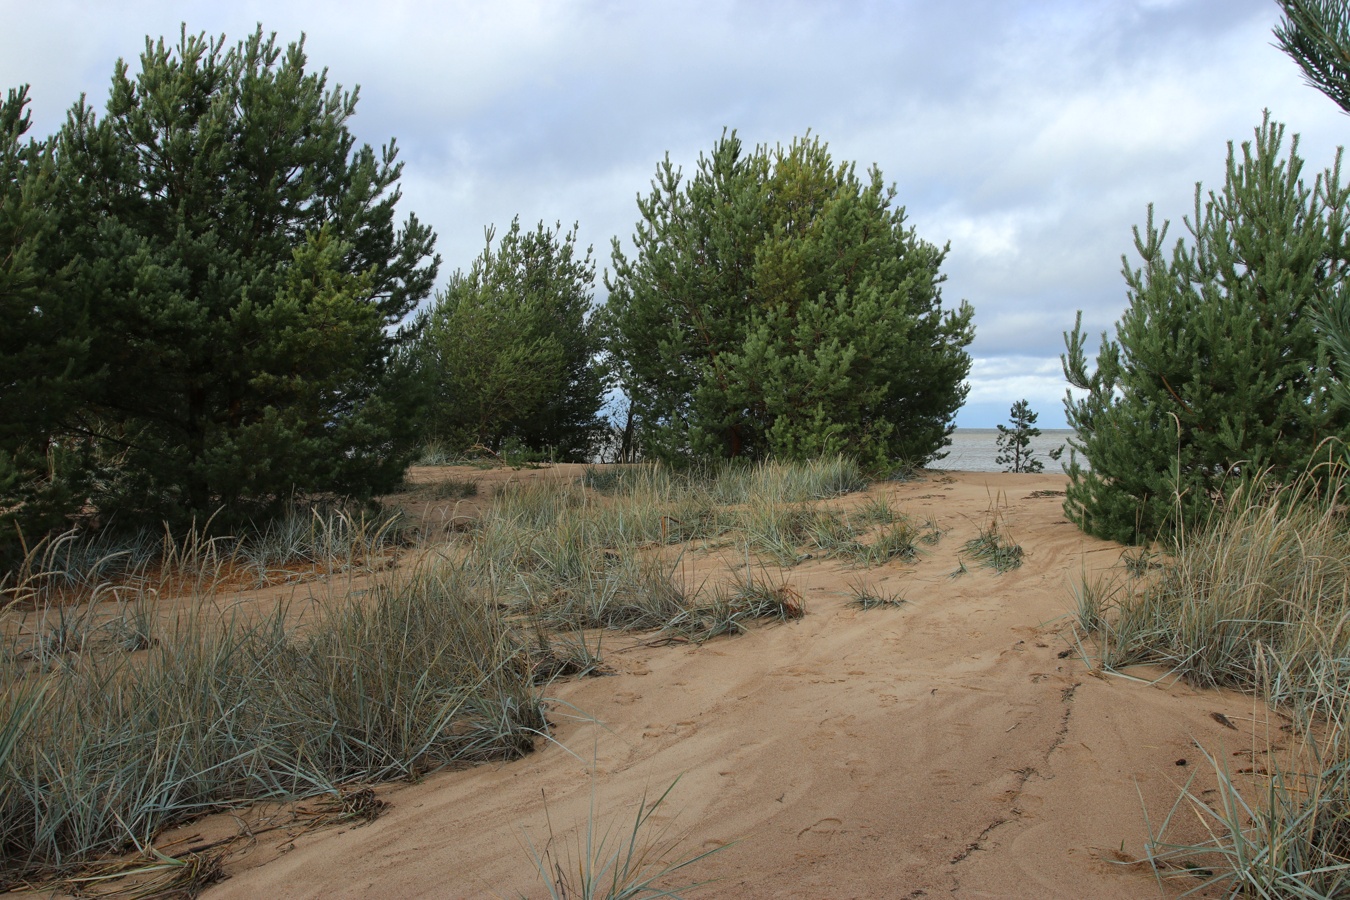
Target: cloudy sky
(1030, 134)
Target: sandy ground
(957, 746)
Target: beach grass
(103, 752)
(121, 717)
(1258, 599)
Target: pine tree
(508, 351)
(244, 280)
(43, 344)
(1316, 35)
(1216, 369)
(1014, 443)
(780, 305)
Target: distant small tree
(508, 352)
(1014, 440)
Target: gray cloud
(1030, 134)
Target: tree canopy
(780, 305)
(236, 256)
(509, 352)
(43, 342)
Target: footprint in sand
(858, 769)
(679, 729)
(825, 827)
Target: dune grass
(117, 722)
(320, 539)
(994, 549)
(869, 596)
(1259, 600)
(603, 863)
(106, 751)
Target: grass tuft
(567, 656)
(994, 549)
(876, 510)
(454, 489)
(865, 596)
(615, 866)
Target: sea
(975, 450)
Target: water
(974, 450)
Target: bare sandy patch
(956, 744)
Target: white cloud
(1031, 134)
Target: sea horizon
(976, 450)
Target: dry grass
(601, 862)
(1259, 600)
(104, 752)
(118, 721)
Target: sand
(958, 745)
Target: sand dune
(957, 745)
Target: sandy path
(942, 748)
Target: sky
(1029, 135)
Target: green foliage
(43, 343)
(1216, 370)
(243, 279)
(779, 305)
(508, 352)
(1316, 35)
(1014, 443)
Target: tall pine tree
(780, 305)
(43, 344)
(244, 279)
(1216, 368)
